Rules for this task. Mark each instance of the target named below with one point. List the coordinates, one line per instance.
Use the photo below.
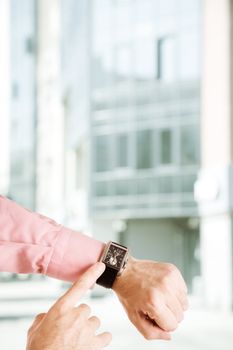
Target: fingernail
(100, 266)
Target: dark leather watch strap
(107, 278)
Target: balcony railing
(147, 192)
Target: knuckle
(39, 317)
(61, 307)
(165, 282)
(169, 273)
(108, 337)
(181, 317)
(151, 295)
(36, 321)
(154, 297)
(30, 331)
(158, 311)
(148, 336)
(95, 320)
(173, 327)
(84, 308)
(105, 339)
(171, 268)
(185, 305)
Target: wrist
(122, 280)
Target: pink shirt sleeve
(32, 243)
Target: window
(189, 56)
(144, 59)
(189, 145)
(81, 168)
(123, 187)
(102, 64)
(102, 153)
(123, 20)
(166, 147)
(167, 59)
(102, 67)
(101, 189)
(191, 6)
(144, 149)
(122, 157)
(17, 168)
(29, 45)
(187, 183)
(146, 185)
(15, 90)
(165, 184)
(123, 62)
(145, 13)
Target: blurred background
(116, 120)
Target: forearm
(32, 243)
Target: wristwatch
(115, 257)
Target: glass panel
(166, 147)
(103, 15)
(189, 145)
(154, 185)
(123, 63)
(102, 153)
(123, 187)
(102, 58)
(145, 14)
(187, 183)
(145, 59)
(167, 7)
(144, 149)
(146, 186)
(167, 59)
(17, 167)
(189, 61)
(123, 17)
(122, 156)
(190, 6)
(103, 69)
(165, 184)
(101, 189)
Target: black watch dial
(115, 257)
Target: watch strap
(108, 277)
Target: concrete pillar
(50, 124)
(214, 188)
(4, 95)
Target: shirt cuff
(73, 253)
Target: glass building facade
(23, 102)
(145, 107)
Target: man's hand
(154, 296)
(66, 326)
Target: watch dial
(115, 257)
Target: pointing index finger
(80, 287)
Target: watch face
(115, 257)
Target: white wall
(4, 95)
(215, 178)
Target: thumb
(39, 318)
(79, 288)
